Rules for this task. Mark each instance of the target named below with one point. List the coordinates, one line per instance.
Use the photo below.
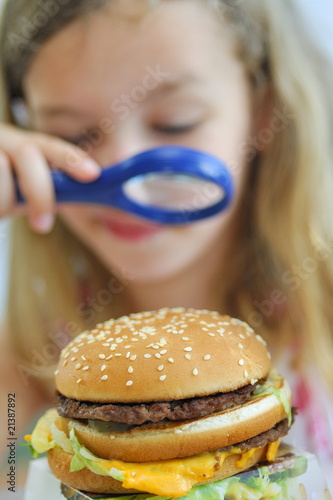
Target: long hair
(280, 276)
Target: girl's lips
(128, 229)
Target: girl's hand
(30, 156)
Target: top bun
(162, 355)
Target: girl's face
(119, 86)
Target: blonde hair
(282, 258)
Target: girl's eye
(174, 129)
(93, 137)
(74, 140)
(79, 140)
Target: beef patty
(270, 436)
(137, 414)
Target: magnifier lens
(173, 191)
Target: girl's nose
(113, 149)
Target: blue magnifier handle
(171, 162)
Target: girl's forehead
(187, 32)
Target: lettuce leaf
(84, 458)
(231, 488)
(271, 386)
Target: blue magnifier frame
(109, 190)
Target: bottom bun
(85, 480)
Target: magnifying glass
(167, 185)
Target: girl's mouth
(128, 228)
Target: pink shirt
(313, 427)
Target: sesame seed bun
(164, 355)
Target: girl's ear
(268, 121)
(264, 105)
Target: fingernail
(90, 166)
(42, 223)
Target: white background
(319, 17)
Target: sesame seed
(188, 349)
(65, 363)
(130, 369)
(79, 380)
(106, 344)
(129, 383)
(56, 372)
(241, 362)
(178, 431)
(164, 351)
(207, 357)
(195, 371)
(211, 334)
(246, 373)
(101, 356)
(78, 366)
(66, 355)
(84, 358)
(128, 354)
(109, 357)
(158, 356)
(103, 368)
(171, 360)
(147, 356)
(254, 381)
(162, 378)
(241, 336)
(188, 356)
(105, 377)
(85, 368)
(240, 346)
(160, 368)
(133, 358)
(73, 358)
(185, 338)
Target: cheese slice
(172, 478)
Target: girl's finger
(35, 182)
(67, 157)
(7, 196)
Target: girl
(89, 83)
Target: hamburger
(163, 401)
